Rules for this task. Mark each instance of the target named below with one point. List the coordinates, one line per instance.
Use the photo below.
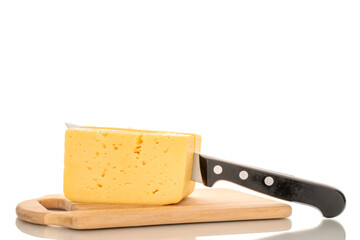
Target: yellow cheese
(113, 165)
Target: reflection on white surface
(327, 230)
(165, 232)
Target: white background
(274, 84)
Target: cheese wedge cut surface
(129, 166)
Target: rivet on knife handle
(330, 201)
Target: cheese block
(129, 166)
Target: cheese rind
(105, 165)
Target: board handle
(40, 210)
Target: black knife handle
(330, 201)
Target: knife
(207, 170)
(330, 201)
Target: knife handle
(330, 201)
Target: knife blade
(70, 125)
(330, 201)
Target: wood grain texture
(204, 205)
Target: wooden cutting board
(203, 205)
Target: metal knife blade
(196, 170)
(70, 125)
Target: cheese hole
(103, 173)
(99, 185)
(137, 149)
(140, 140)
(104, 145)
(155, 191)
(97, 154)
